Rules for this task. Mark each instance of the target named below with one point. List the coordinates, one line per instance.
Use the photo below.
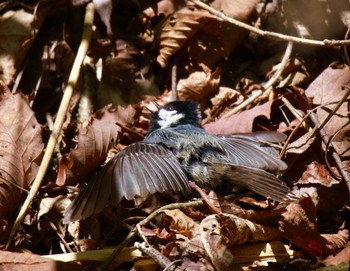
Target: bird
(176, 150)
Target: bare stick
(272, 35)
(61, 114)
(325, 138)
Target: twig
(313, 132)
(296, 114)
(268, 85)
(272, 35)
(174, 95)
(104, 266)
(334, 110)
(325, 138)
(159, 258)
(212, 207)
(292, 134)
(73, 78)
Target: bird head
(175, 113)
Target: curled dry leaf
(178, 29)
(182, 224)
(198, 85)
(93, 143)
(219, 232)
(21, 148)
(299, 226)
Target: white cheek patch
(168, 118)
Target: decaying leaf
(326, 90)
(317, 173)
(178, 29)
(21, 148)
(93, 143)
(299, 226)
(17, 32)
(181, 223)
(340, 257)
(198, 85)
(219, 232)
(28, 261)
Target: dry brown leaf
(198, 85)
(241, 122)
(17, 32)
(340, 257)
(93, 143)
(21, 148)
(328, 88)
(299, 226)
(178, 28)
(317, 174)
(165, 7)
(219, 232)
(30, 262)
(182, 224)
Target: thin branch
(272, 35)
(325, 138)
(61, 114)
(334, 110)
(174, 95)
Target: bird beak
(149, 109)
(155, 104)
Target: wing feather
(136, 171)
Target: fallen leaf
(219, 232)
(21, 148)
(182, 224)
(30, 262)
(93, 143)
(17, 32)
(198, 85)
(326, 90)
(299, 226)
(317, 174)
(241, 122)
(178, 28)
(340, 257)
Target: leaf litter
(220, 65)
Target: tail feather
(256, 180)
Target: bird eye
(169, 107)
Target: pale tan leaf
(219, 232)
(15, 261)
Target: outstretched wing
(249, 150)
(137, 171)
